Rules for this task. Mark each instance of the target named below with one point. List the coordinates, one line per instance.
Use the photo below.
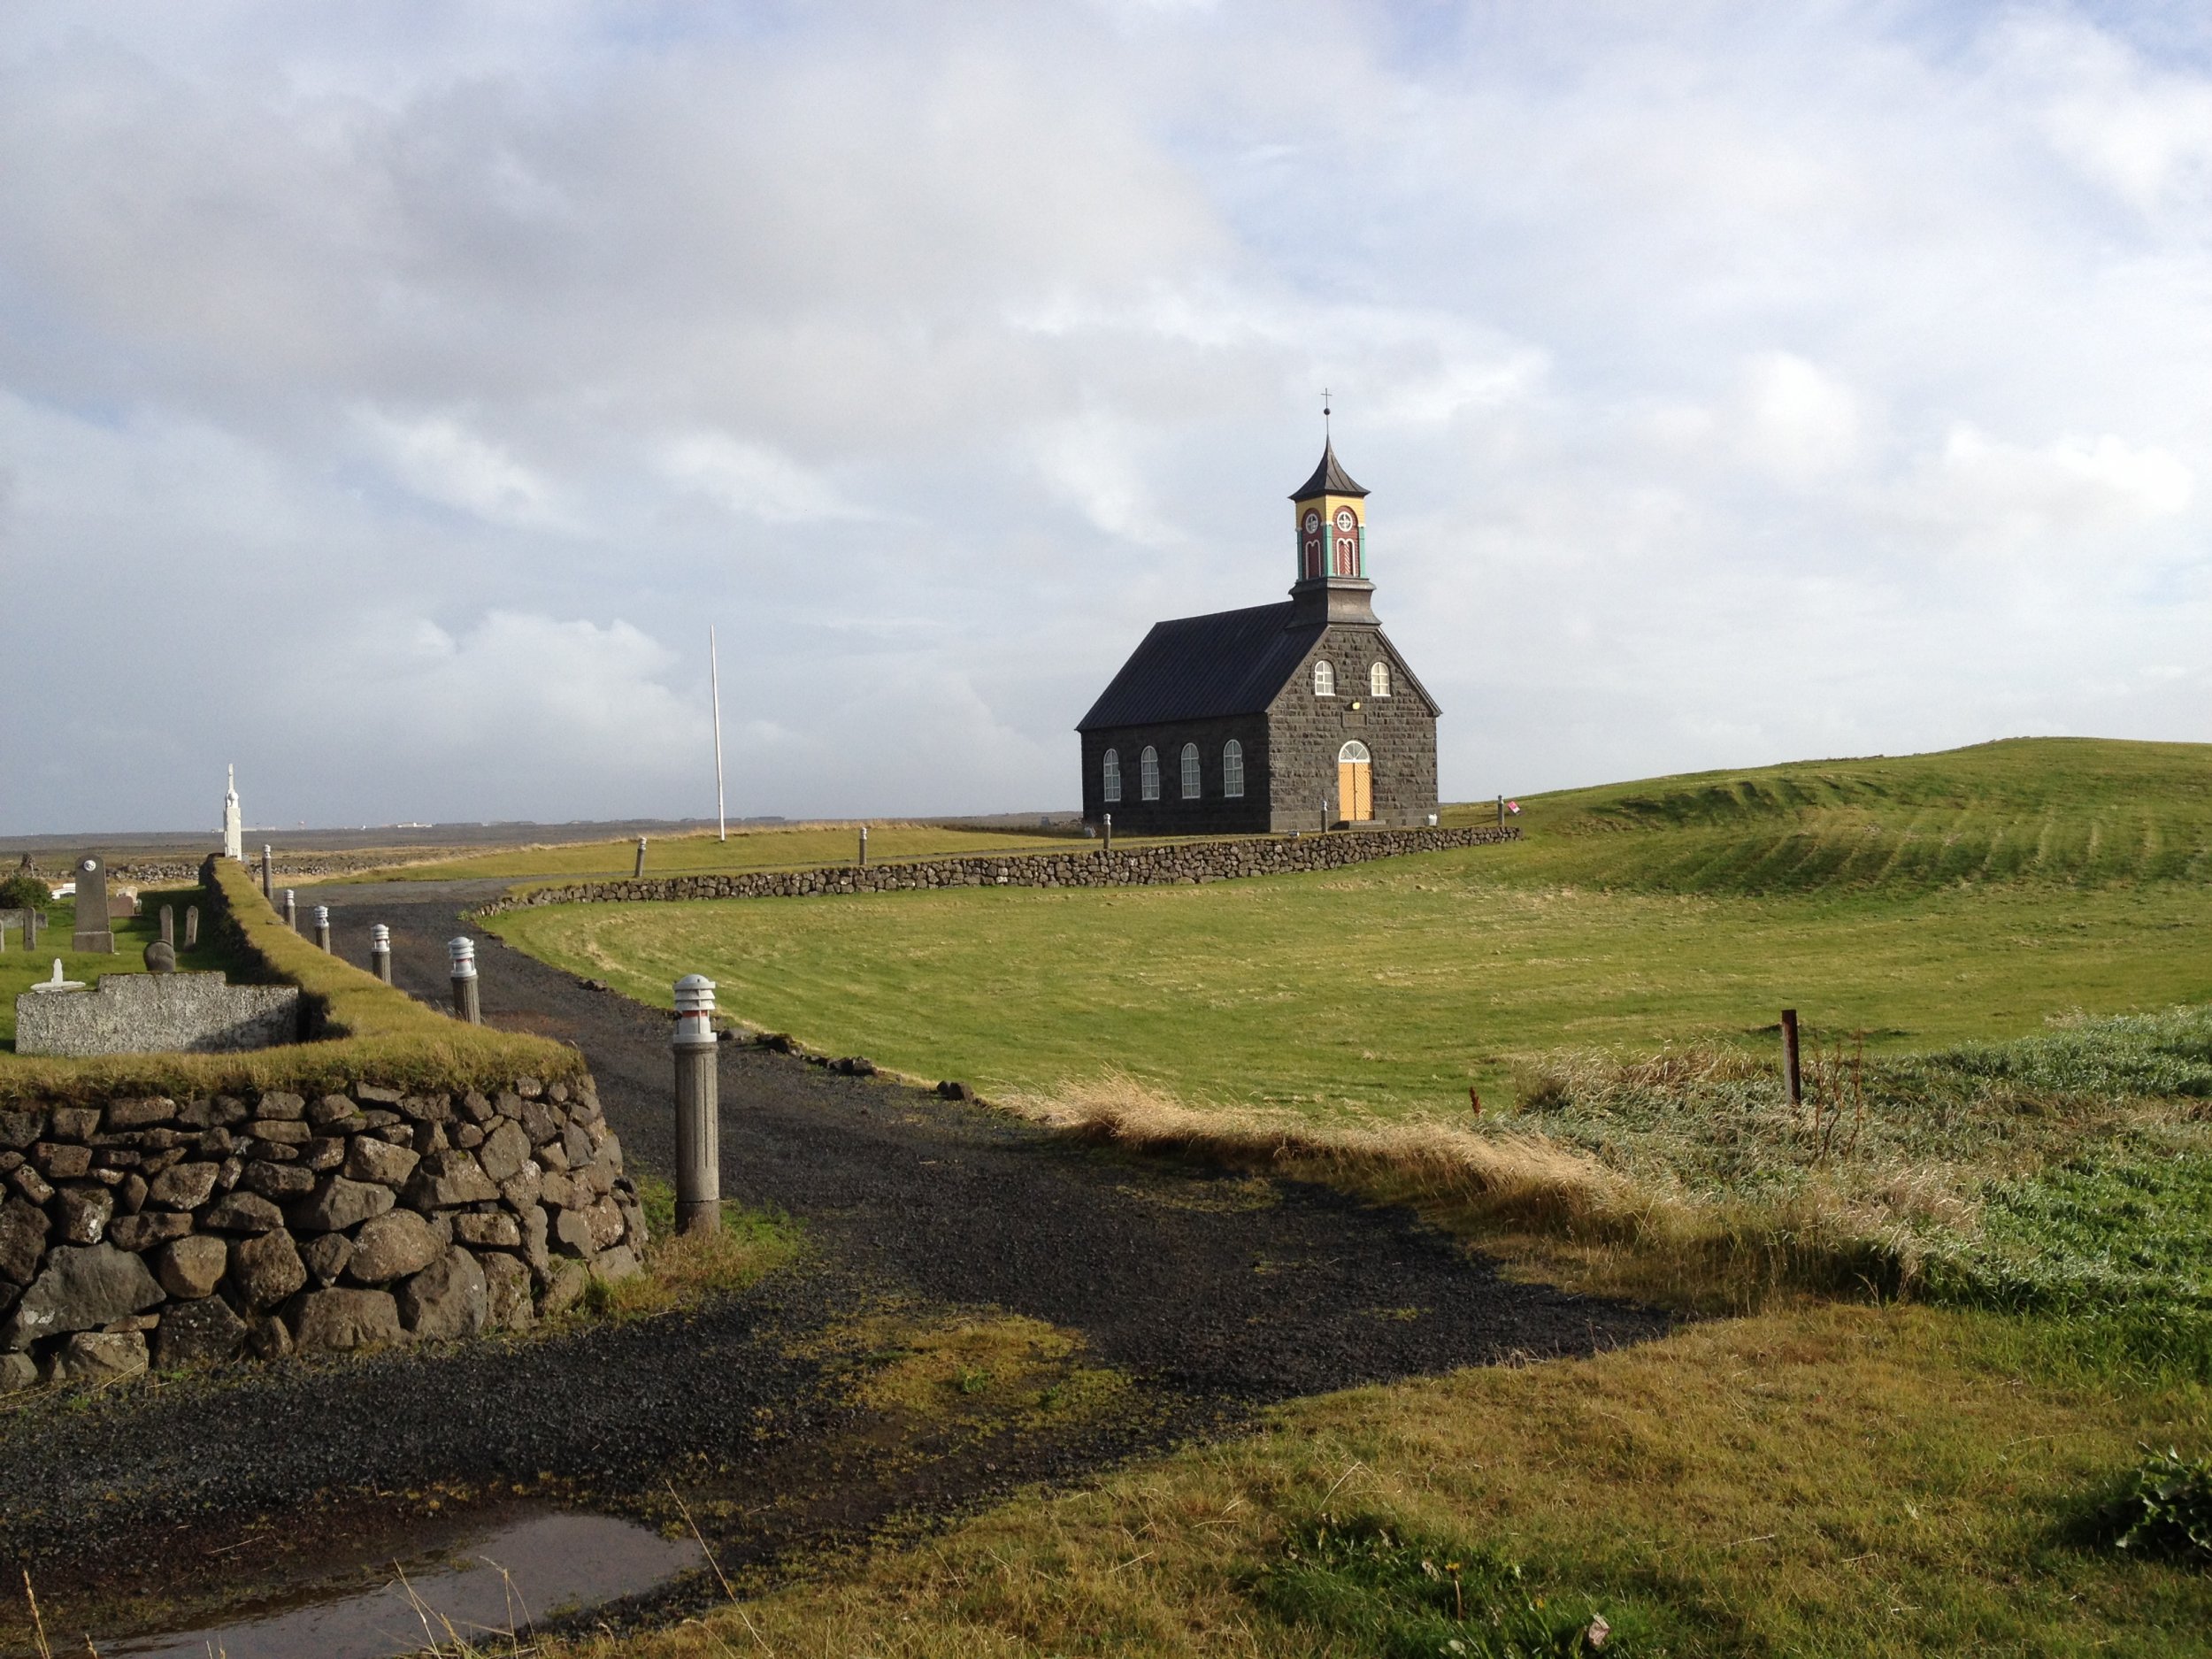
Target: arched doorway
(1355, 784)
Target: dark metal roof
(1329, 478)
(1196, 668)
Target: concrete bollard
(467, 1007)
(698, 1122)
(638, 874)
(191, 926)
(322, 927)
(1109, 847)
(864, 846)
(381, 952)
(268, 888)
(291, 910)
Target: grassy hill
(2065, 811)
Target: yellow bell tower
(1330, 515)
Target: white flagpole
(714, 678)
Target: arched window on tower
(1149, 773)
(1347, 528)
(1232, 770)
(1379, 680)
(1191, 786)
(1113, 775)
(1323, 679)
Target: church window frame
(1324, 678)
(1379, 678)
(1232, 770)
(1110, 775)
(1194, 779)
(1149, 773)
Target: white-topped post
(322, 927)
(638, 874)
(268, 890)
(381, 952)
(698, 1122)
(864, 846)
(291, 910)
(466, 1006)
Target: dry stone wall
(155, 1230)
(1173, 864)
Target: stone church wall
(1306, 733)
(148, 1229)
(1213, 813)
(1178, 863)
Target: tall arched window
(1379, 680)
(1232, 770)
(1113, 775)
(1149, 773)
(1191, 787)
(1323, 679)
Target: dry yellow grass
(1552, 1209)
(1840, 1480)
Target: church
(1295, 716)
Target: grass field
(700, 853)
(2004, 958)
(1958, 897)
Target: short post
(1109, 833)
(322, 927)
(467, 1007)
(191, 926)
(864, 846)
(638, 873)
(1501, 811)
(268, 888)
(169, 926)
(1793, 1079)
(291, 910)
(698, 1122)
(381, 952)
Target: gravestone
(161, 958)
(92, 907)
(169, 926)
(191, 926)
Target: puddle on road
(551, 1562)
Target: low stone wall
(154, 1013)
(1167, 864)
(178, 1230)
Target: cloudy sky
(391, 397)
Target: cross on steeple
(1325, 414)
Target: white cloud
(1798, 422)
(752, 480)
(440, 460)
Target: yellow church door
(1355, 784)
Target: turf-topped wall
(1167, 864)
(407, 1177)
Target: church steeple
(1331, 514)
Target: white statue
(233, 833)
